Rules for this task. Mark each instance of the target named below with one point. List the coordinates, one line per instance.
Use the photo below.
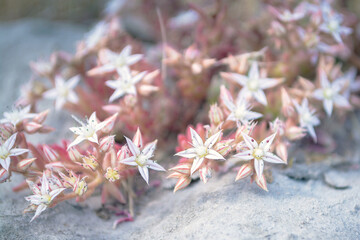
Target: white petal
(39, 210)
(72, 82)
(133, 148)
(72, 97)
(144, 172)
(117, 94)
(259, 95)
(212, 154)
(56, 192)
(240, 79)
(44, 184)
(328, 106)
(155, 166)
(188, 153)
(149, 149)
(18, 151)
(265, 83)
(50, 94)
(195, 138)
(249, 141)
(126, 51)
(9, 143)
(59, 103)
(266, 143)
(138, 77)
(212, 140)
(272, 158)
(245, 156)
(77, 140)
(196, 164)
(323, 79)
(254, 71)
(129, 161)
(318, 94)
(312, 133)
(114, 84)
(252, 115)
(94, 138)
(5, 163)
(341, 101)
(133, 59)
(259, 167)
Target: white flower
(201, 150)
(253, 84)
(258, 152)
(63, 91)
(352, 84)
(307, 118)
(240, 110)
(332, 25)
(118, 61)
(288, 16)
(329, 93)
(42, 196)
(142, 158)
(17, 115)
(87, 131)
(7, 151)
(125, 84)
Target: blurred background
(80, 11)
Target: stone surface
(296, 207)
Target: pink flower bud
(137, 139)
(24, 164)
(122, 153)
(146, 90)
(74, 154)
(287, 106)
(110, 123)
(223, 147)
(261, 182)
(106, 143)
(244, 171)
(182, 183)
(295, 133)
(205, 173)
(32, 127)
(40, 118)
(3, 175)
(216, 115)
(50, 154)
(183, 168)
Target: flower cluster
(252, 91)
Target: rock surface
(294, 208)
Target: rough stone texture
(296, 206)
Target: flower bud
(24, 164)
(40, 118)
(137, 139)
(295, 133)
(74, 154)
(205, 173)
(32, 127)
(122, 153)
(244, 171)
(261, 182)
(216, 115)
(106, 143)
(50, 154)
(182, 183)
(223, 147)
(110, 123)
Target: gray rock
(336, 179)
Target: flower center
(253, 85)
(46, 199)
(328, 93)
(306, 117)
(141, 160)
(258, 153)
(63, 91)
(333, 25)
(88, 131)
(120, 62)
(239, 112)
(201, 151)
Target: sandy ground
(299, 204)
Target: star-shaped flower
(117, 61)
(63, 91)
(258, 152)
(307, 118)
(332, 25)
(253, 84)
(7, 151)
(87, 131)
(201, 150)
(17, 115)
(141, 157)
(125, 84)
(329, 93)
(240, 110)
(43, 196)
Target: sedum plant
(219, 84)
